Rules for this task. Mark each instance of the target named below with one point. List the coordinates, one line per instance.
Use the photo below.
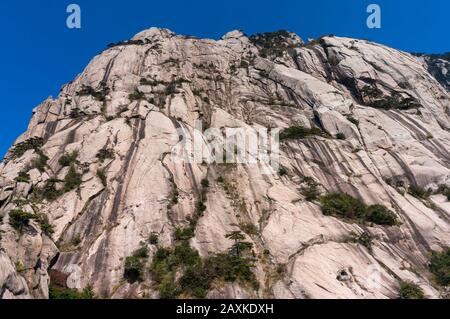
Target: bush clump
(311, 191)
(249, 228)
(68, 159)
(23, 177)
(57, 292)
(50, 191)
(440, 266)
(34, 143)
(72, 180)
(99, 95)
(153, 239)
(364, 239)
(102, 176)
(347, 207)
(20, 219)
(184, 233)
(134, 265)
(105, 154)
(374, 98)
(198, 274)
(40, 162)
(136, 96)
(444, 190)
(380, 215)
(273, 43)
(45, 225)
(419, 192)
(353, 120)
(409, 290)
(299, 132)
(282, 171)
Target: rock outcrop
(95, 176)
(439, 67)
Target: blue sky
(39, 53)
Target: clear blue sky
(39, 54)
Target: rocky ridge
(90, 182)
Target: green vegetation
(440, 266)
(340, 136)
(205, 183)
(76, 240)
(134, 265)
(102, 176)
(99, 95)
(20, 267)
(153, 239)
(45, 225)
(124, 43)
(23, 177)
(409, 290)
(72, 180)
(282, 171)
(311, 191)
(419, 192)
(49, 191)
(105, 154)
(374, 98)
(151, 82)
(380, 215)
(19, 219)
(273, 43)
(444, 190)
(364, 239)
(371, 92)
(136, 95)
(353, 120)
(57, 292)
(347, 207)
(198, 274)
(299, 132)
(185, 233)
(34, 143)
(40, 162)
(249, 228)
(68, 159)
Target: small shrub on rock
(68, 159)
(19, 219)
(440, 266)
(105, 154)
(300, 132)
(347, 207)
(381, 215)
(409, 290)
(23, 177)
(34, 143)
(134, 265)
(72, 180)
(419, 192)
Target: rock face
(439, 67)
(121, 117)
